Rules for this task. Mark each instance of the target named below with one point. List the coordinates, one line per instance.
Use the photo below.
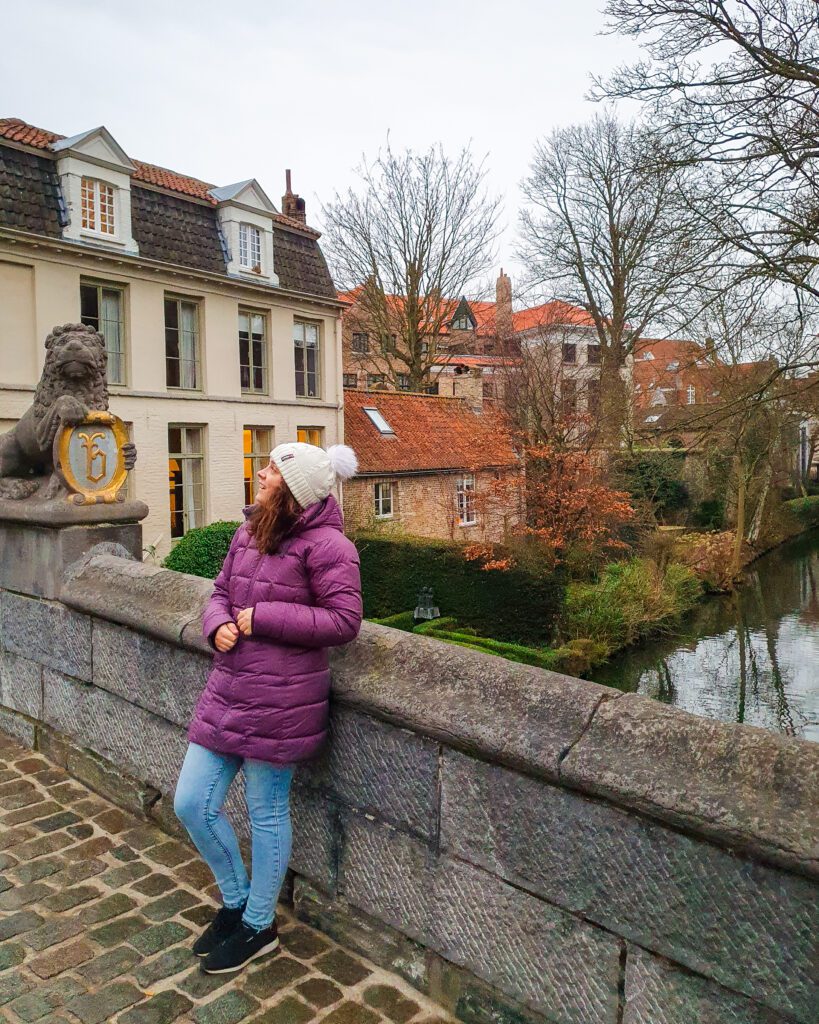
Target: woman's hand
(244, 620)
(226, 637)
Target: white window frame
(465, 500)
(384, 501)
(301, 344)
(194, 361)
(250, 247)
(310, 435)
(250, 315)
(691, 394)
(378, 420)
(192, 515)
(98, 204)
(258, 454)
(111, 328)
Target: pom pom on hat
(310, 471)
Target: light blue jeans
(200, 793)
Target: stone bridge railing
(522, 845)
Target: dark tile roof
(29, 193)
(175, 230)
(167, 228)
(300, 264)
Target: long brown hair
(272, 520)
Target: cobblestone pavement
(98, 911)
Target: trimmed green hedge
(517, 605)
(806, 510)
(201, 551)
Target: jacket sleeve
(334, 619)
(218, 610)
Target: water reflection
(751, 657)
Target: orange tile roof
(15, 130)
(431, 434)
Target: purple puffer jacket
(268, 698)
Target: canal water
(749, 657)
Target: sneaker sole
(232, 970)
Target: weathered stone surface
(747, 926)
(522, 945)
(314, 854)
(744, 787)
(33, 558)
(155, 675)
(380, 768)
(229, 1008)
(137, 594)
(456, 695)
(46, 632)
(21, 728)
(120, 732)
(161, 1009)
(659, 993)
(21, 684)
(97, 1007)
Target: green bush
(655, 477)
(709, 514)
(518, 605)
(806, 510)
(201, 551)
(630, 600)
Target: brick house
(220, 317)
(429, 466)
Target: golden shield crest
(90, 461)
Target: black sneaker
(240, 947)
(218, 930)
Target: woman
(289, 589)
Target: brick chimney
(503, 308)
(293, 205)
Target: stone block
(21, 728)
(526, 948)
(747, 926)
(46, 632)
(315, 836)
(153, 674)
(515, 714)
(33, 558)
(125, 735)
(745, 788)
(21, 684)
(382, 769)
(657, 992)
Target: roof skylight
(378, 421)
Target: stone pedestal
(39, 540)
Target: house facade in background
(429, 466)
(220, 318)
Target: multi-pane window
(568, 397)
(252, 351)
(375, 380)
(309, 435)
(186, 477)
(102, 308)
(691, 394)
(569, 352)
(257, 445)
(306, 351)
(250, 247)
(388, 343)
(463, 323)
(361, 342)
(181, 343)
(593, 354)
(383, 500)
(97, 202)
(350, 380)
(404, 382)
(465, 494)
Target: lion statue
(72, 384)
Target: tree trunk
(736, 562)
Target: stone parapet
(522, 845)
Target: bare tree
(734, 87)
(417, 230)
(606, 230)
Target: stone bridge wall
(522, 845)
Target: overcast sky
(228, 91)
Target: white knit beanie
(310, 472)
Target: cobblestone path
(98, 911)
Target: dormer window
(461, 324)
(250, 247)
(97, 201)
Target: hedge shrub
(517, 605)
(654, 476)
(202, 550)
(806, 510)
